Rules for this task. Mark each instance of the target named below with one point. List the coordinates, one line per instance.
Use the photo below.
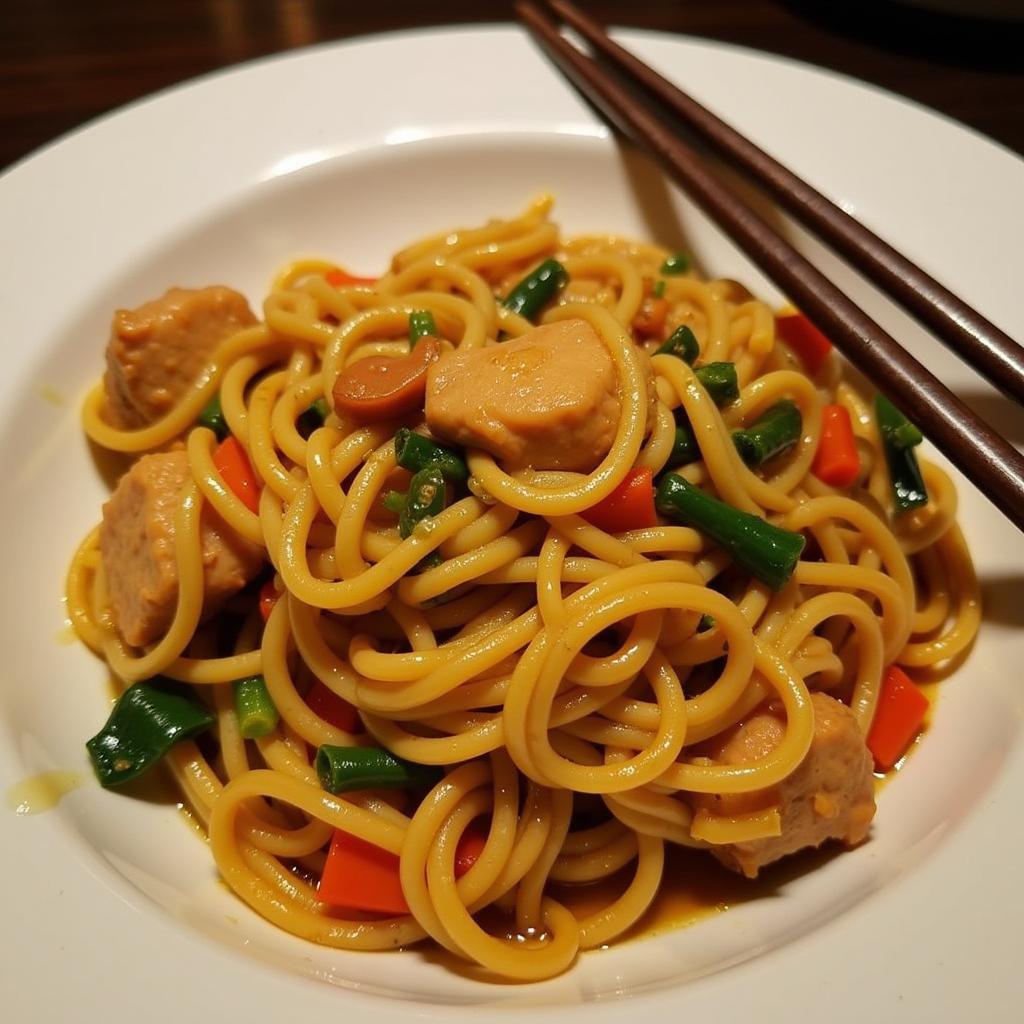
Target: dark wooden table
(63, 62)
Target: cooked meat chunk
(137, 547)
(546, 399)
(156, 351)
(830, 796)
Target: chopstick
(989, 350)
(982, 455)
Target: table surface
(63, 62)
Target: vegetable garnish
(212, 417)
(415, 452)
(236, 471)
(719, 380)
(898, 717)
(649, 321)
(684, 448)
(772, 433)
(383, 387)
(836, 462)
(658, 291)
(344, 769)
(899, 436)
(682, 342)
(677, 263)
(537, 289)
(360, 876)
(147, 720)
(268, 598)
(629, 507)
(334, 710)
(765, 551)
(421, 325)
(342, 278)
(425, 498)
(471, 844)
(807, 342)
(312, 417)
(256, 713)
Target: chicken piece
(137, 547)
(547, 399)
(830, 796)
(157, 350)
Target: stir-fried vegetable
(421, 325)
(415, 452)
(385, 387)
(147, 720)
(836, 461)
(212, 417)
(236, 471)
(537, 289)
(772, 433)
(898, 717)
(334, 710)
(899, 437)
(682, 342)
(629, 507)
(719, 381)
(343, 279)
(312, 417)
(684, 448)
(425, 498)
(256, 713)
(765, 551)
(360, 876)
(344, 769)
(677, 263)
(807, 342)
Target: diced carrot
(809, 344)
(340, 278)
(384, 387)
(649, 321)
(268, 598)
(331, 708)
(629, 507)
(901, 710)
(362, 876)
(236, 471)
(836, 461)
(471, 845)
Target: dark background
(63, 62)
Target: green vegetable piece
(312, 417)
(719, 381)
(537, 289)
(682, 342)
(765, 551)
(677, 263)
(212, 417)
(421, 324)
(899, 437)
(706, 622)
(659, 288)
(257, 715)
(394, 501)
(684, 449)
(415, 452)
(425, 499)
(147, 720)
(894, 426)
(344, 769)
(772, 433)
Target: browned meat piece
(156, 351)
(830, 796)
(137, 546)
(546, 399)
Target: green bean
(415, 452)
(677, 263)
(537, 289)
(765, 551)
(682, 342)
(421, 325)
(256, 713)
(212, 417)
(344, 769)
(772, 433)
(425, 498)
(719, 381)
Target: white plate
(351, 151)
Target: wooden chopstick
(981, 454)
(989, 350)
